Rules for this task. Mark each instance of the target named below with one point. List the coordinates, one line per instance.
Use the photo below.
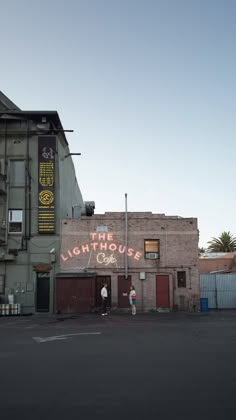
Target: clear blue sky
(148, 88)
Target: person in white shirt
(132, 299)
(104, 295)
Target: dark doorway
(162, 291)
(43, 292)
(100, 280)
(123, 291)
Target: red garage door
(162, 291)
(75, 295)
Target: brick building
(157, 254)
(217, 262)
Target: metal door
(75, 295)
(162, 291)
(43, 292)
(208, 289)
(123, 291)
(220, 289)
(85, 292)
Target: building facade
(157, 254)
(218, 262)
(38, 188)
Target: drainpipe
(126, 238)
(6, 170)
(29, 186)
(25, 218)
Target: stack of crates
(7, 309)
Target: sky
(149, 88)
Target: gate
(75, 295)
(220, 289)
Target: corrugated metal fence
(220, 289)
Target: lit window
(152, 249)
(17, 173)
(15, 221)
(181, 278)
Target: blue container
(204, 304)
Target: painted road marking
(62, 337)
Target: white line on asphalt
(61, 337)
(31, 327)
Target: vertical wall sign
(46, 184)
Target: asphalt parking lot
(170, 366)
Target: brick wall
(84, 248)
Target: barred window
(181, 278)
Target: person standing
(132, 299)
(104, 295)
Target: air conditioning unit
(152, 255)
(88, 208)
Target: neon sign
(100, 244)
(103, 259)
(46, 185)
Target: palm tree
(225, 243)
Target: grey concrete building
(38, 188)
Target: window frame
(179, 279)
(149, 255)
(10, 222)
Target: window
(17, 173)
(15, 221)
(151, 249)
(2, 284)
(102, 228)
(181, 278)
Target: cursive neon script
(102, 259)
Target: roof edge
(8, 103)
